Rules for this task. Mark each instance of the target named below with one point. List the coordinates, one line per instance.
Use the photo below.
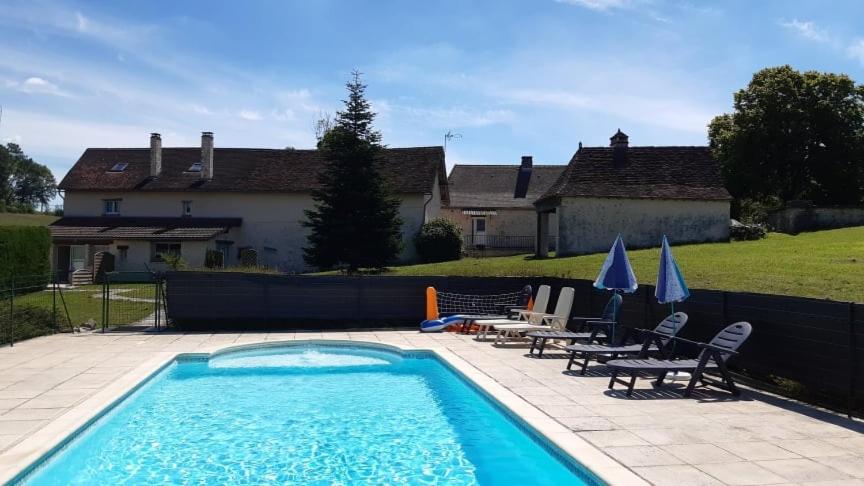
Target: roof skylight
(118, 167)
(196, 167)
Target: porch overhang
(106, 229)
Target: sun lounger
(556, 321)
(485, 323)
(712, 358)
(540, 303)
(653, 341)
(602, 323)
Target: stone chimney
(527, 162)
(620, 143)
(155, 154)
(206, 155)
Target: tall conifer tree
(355, 222)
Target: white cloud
(36, 85)
(601, 5)
(807, 30)
(666, 112)
(250, 115)
(82, 22)
(856, 50)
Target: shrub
(27, 322)
(173, 260)
(214, 259)
(439, 240)
(24, 252)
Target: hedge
(25, 252)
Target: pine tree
(355, 222)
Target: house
(494, 204)
(640, 192)
(237, 205)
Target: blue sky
(512, 77)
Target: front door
(78, 257)
(478, 231)
(61, 265)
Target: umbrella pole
(615, 320)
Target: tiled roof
(409, 170)
(649, 172)
(120, 228)
(493, 186)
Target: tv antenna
(450, 136)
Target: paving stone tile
(667, 436)
(812, 448)
(700, 453)
(612, 438)
(758, 451)
(677, 475)
(642, 456)
(741, 473)
(587, 423)
(851, 465)
(802, 470)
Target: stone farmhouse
(126, 207)
(640, 192)
(494, 205)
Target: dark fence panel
(817, 343)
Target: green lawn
(15, 219)
(85, 303)
(823, 264)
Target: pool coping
(29, 452)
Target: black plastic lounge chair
(602, 323)
(712, 358)
(656, 341)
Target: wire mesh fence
(30, 306)
(36, 305)
(131, 299)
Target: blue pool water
(307, 415)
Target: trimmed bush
(439, 240)
(25, 252)
(26, 323)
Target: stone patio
(710, 439)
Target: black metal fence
(814, 345)
(132, 299)
(36, 305)
(478, 245)
(31, 305)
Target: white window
(187, 208)
(157, 249)
(111, 206)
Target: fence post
(54, 303)
(11, 326)
(853, 355)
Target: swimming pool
(308, 414)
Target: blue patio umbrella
(671, 286)
(617, 274)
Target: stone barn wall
(590, 225)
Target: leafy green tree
(355, 222)
(793, 135)
(24, 183)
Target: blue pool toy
(438, 325)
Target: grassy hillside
(14, 219)
(824, 264)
